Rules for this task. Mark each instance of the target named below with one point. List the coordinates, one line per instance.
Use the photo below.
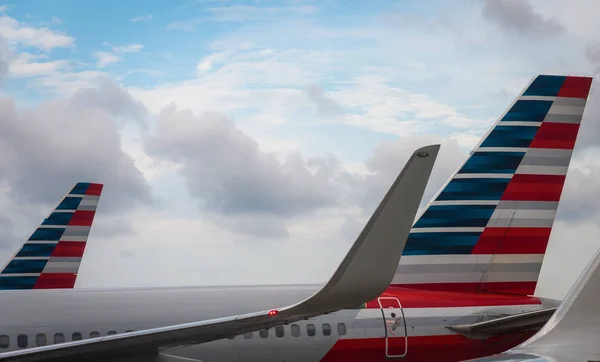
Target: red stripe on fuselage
(447, 348)
(518, 288)
(512, 240)
(534, 188)
(414, 298)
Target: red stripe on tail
(513, 240)
(534, 188)
(556, 135)
(82, 218)
(73, 249)
(55, 281)
(575, 87)
(94, 189)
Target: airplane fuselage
(400, 323)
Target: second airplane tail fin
(50, 259)
(488, 227)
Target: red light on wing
(273, 312)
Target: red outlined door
(396, 342)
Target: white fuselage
(54, 316)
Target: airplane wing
(572, 333)
(363, 274)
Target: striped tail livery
(488, 227)
(50, 259)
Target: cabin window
(248, 335)
(264, 333)
(341, 327)
(295, 330)
(110, 333)
(326, 329)
(77, 336)
(59, 338)
(40, 339)
(4, 341)
(94, 334)
(279, 331)
(311, 330)
(22, 341)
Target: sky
(247, 142)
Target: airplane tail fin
(488, 227)
(51, 257)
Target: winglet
(371, 263)
(363, 275)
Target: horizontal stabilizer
(363, 274)
(514, 323)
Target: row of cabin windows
(41, 340)
(311, 331)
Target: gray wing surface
(364, 273)
(514, 323)
(572, 334)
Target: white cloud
(65, 83)
(243, 13)
(209, 61)
(577, 16)
(375, 105)
(5, 58)
(282, 76)
(151, 72)
(520, 17)
(146, 18)
(53, 153)
(57, 20)
(107, 58)
(188, 25)
(130, 48)
(324, 103)
(24, 65)
(226, 169)
(43, 38)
